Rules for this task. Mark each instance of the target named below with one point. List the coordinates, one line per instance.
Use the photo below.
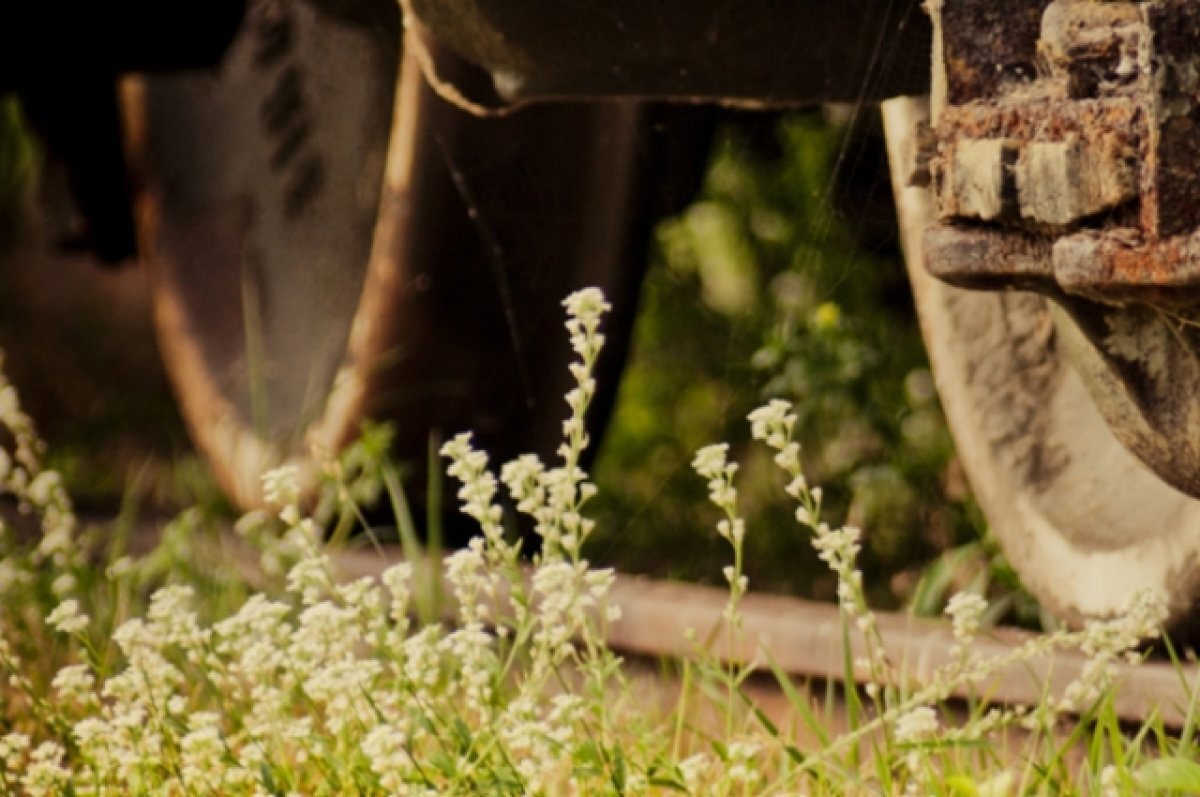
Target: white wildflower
(840, 548)
(773, 423)
(743, 766)
(73, 682)
(386, 747)
(696, 771)
(587, 304)
(522, 476)
(342, 688)
(172, 618)
(397, 579)
(1110, 782)
(63, 584)
(44, 488)
(202, 751)
(45, 773)
(965, 610)
(797, 487)
(710, 460)
(281, 486)
(309, 578)
(67, 618)
(10, 407)
(732, 530)
(13, 747)
(916, 725)
(788, 457)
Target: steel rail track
(662, 619)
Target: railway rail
(661, 620)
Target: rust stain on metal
(1043, 119)
(988, 43)
(1073, 119)
(1094, 47)
(1107, 265)
(1171, 177)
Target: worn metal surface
(1082, 128)
(988, 44)
(1142, 364)
(755, 52)
(1072, 167)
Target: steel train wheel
(1083, 521)
(330, 242)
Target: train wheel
(1082, 520)
(330, 242)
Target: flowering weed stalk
(906, 716)
(712, 463)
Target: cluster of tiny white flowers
(478, 490)
(1107, 641)
(281, 488)
(45, 775)
(14, 747)
(386, 747)
(965, 610)
(743, 767)
(697, 770)
(712, 463)
(553, 497)
(913, 727)
(1110, 782)
(917, 725)
(67, 618)
(74, 682)
(774, 423)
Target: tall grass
(178, 673)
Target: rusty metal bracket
(1067, 152)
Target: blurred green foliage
(16, 159)
(761, 289)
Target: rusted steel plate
(1085, 122)
(757, 52)
(1103, 266)
(988, 43)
